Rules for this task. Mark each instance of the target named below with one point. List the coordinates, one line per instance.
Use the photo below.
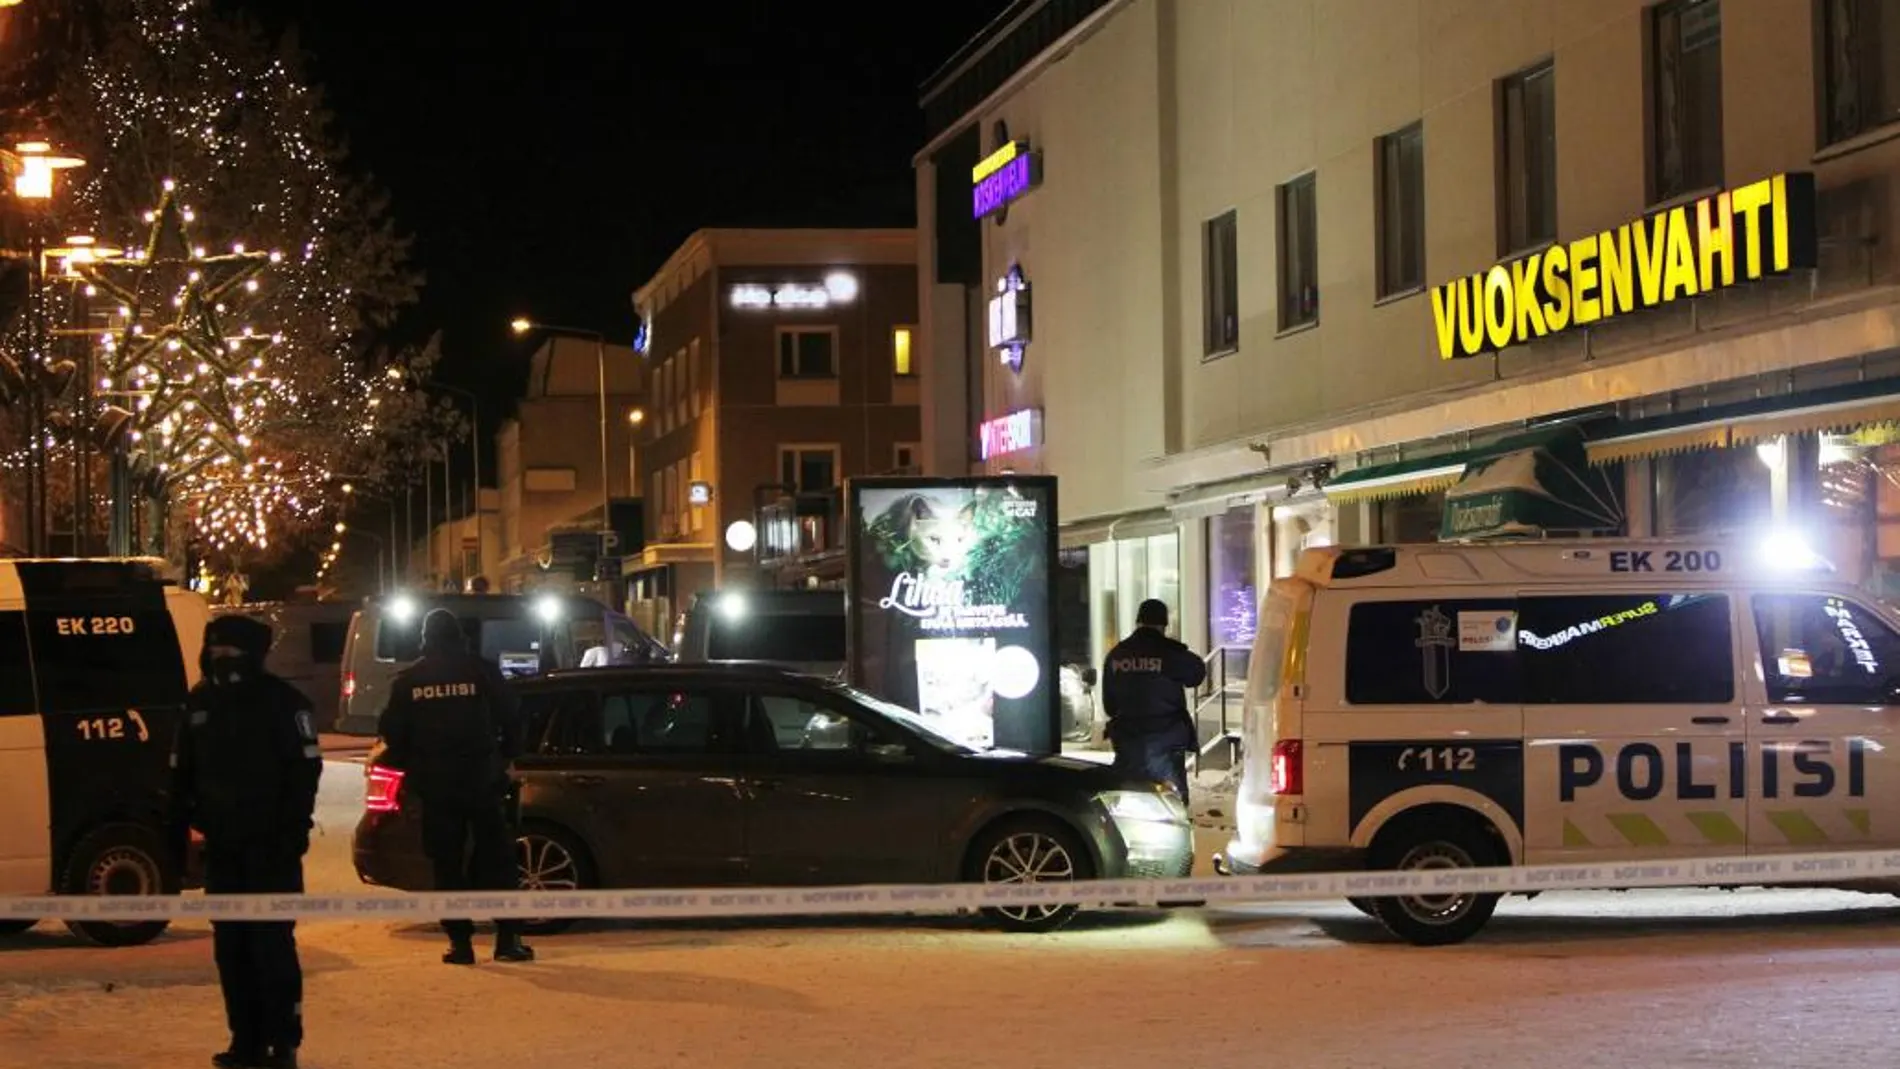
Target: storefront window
(1716, 492)
(1233, 602)
(1124, 573)
(1298, 527)
(1411, 519)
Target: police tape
(1839, 869)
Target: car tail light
(384, 793)
(1288, 775)
(349, 685)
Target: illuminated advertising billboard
(951, 607)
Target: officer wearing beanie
(1143, 692)
(246, 768)
(453, 727)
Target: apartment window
(1299, 253)
(1686, 97)
(694, 381)
(904, 457)
(1401, 208)
(1220, 259)
(807, 352)
(900, 352)
(1860, 65)
(809, 469)
(1529, 159)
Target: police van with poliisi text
(1563, 702)
(96, 659)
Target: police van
(1470, 705)
(93, 679)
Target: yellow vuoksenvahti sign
(1738, 235)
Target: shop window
(1401, 211)
(1685, 97)
(1716, 491)
(1297, 528)
(1411, 519)
(807, 352)
(901, 365)
(1124, 573)
(1527, 137)
(810, 469)
(1220, 265)
(1298, 213)
(1624, 649)
(1233, 600)
(1411, 653)
(904, 458)
(1822, 650)
(1860, 66)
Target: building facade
(1255, 275)
(548, 455)
(780, 363)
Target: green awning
(1529, 486)
(1400, 479)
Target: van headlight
(1141, 805)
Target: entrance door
(1824, 726)
(1633, 725)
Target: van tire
(1435, 843)
(119, 859)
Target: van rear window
(508, 641)
(789, 638)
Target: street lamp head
(636, 416)
(37, 164)
(342, 527)
(521, 325)
(349, 488)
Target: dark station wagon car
(736, 775)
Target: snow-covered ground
(1675, 978)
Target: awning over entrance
(1837, 409)
(1531, 485)
(1400, 479)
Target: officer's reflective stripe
(1719, 828)
(1797, 826)
(1638, 829)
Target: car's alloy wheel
(545, 860)
(1029, 856)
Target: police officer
(1143, 685)
(453, 727)
(247, 766)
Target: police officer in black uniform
(247, 766)
(453, 727)
(1143, 692)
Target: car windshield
(905, 717)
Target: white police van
(1460, 705)
(93, 678)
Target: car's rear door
(838, 796)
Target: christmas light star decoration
(193, 383)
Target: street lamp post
(525, 326)
(34, 184)
(475, 451)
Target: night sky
(547, 156)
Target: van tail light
(349, 685)
(1288, 772)
(384, 792)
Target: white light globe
(842, 286)
(1014, 672)
(741, 536)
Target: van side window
(1624, 649)
(1821, 649)
(1437, 652)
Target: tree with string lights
(211, 160)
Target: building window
(901, 364)
(1860, 65)
(1299, 253)
(1528, 139)
(904, 458)
(1233, 601)
(808, 469)
(807, 352)
(1686, 97)
(1220, 258)
(695, 380)
(1401, 208)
